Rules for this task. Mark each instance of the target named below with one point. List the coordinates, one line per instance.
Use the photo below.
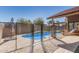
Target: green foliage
(29, 22)
(48, 28)
(24, 21)
(50, 22)
(38, 21)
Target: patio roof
(65, 12)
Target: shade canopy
(69, 12)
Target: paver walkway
(72, 42)
(66, 45)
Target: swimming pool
(37, 35)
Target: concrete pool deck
(70, 45)
(67, 44)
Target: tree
(38, 21)
(50, 22)
(24, 21)
(21, 20)
(29, 22)
(12, 19)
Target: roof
(65, 12)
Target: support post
(73, 25)
(67, 24)
(53, 30)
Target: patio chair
(72, 32)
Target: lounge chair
(72, 32)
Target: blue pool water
(37, 36)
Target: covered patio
(71, 20)
(70, 32)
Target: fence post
(12, 27)
(16, 37)
(32, 27)
(42, 39)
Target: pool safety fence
(13, 29)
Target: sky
(29, 12)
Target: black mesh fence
(25, 36)
(31, 32)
